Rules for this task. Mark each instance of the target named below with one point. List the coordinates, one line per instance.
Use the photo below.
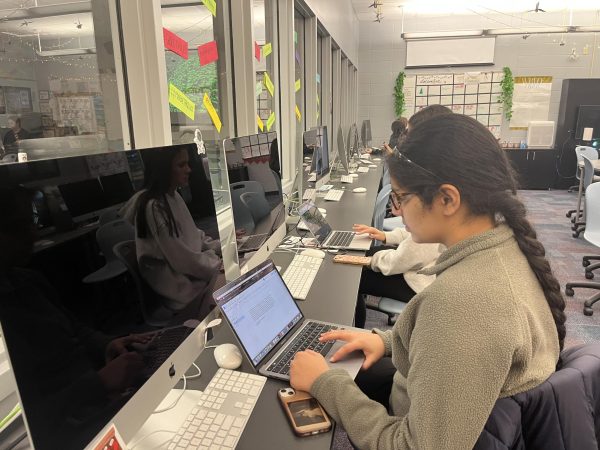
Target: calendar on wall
(474, 94)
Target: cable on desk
(139, 441)
(184, 378)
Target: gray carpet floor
(546, 210)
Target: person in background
(65, 370)
(491, 325)
(175, 258)
(14, 135)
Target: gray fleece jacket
(482, 331)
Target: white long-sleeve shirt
(177, 267)
(408, 258)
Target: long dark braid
(458, 150)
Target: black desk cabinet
(535, 168)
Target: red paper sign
(175, 43)
(208, 53)
(257, 51)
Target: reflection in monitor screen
(256, 195)
(81, 362)
(316, 144)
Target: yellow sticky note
(212, 112)
(260, 123)
(269, 84)
(267, 49)
(180, 101)
(211, 5)
(270, 121)
(298, 114)
(298, 86)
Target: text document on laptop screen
(261, 313)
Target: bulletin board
(474, 94)
(256, 145)
(77, 112)
(17, 100)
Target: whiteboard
(450, 52)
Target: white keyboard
(362, 169)
(334, 195)
(309, 194)
(347, 179)
(300, 274)
(313, 177)
(219, 418)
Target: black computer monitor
(256, 196)
(117, 188)
(588, 123)
(57, 348)
(365, 132)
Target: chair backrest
(147, 298)
(380, 205)
(110, 234)
(588, 171)
(257, 204)
(385, 178)
(588, 152)
(247, 186)
(10, 157)
(109, 216)
(592, 213)
(241, 214)
(561, 413)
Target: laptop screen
(260, 310)
(314, 221)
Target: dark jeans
(379, 285)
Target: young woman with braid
(491, 325)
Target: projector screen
(450, 52)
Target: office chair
(380, 205)
(10, 158)
(580, 152)
(108, 236)
(389, 306)
(592, 235)
(561, 413)
(588, 178)
(247, 186)
(153, 313)
(242, 216)
(257, 204)
(109, 216)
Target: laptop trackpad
(351, 363)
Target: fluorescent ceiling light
(442, 34)
(526, 30)
(37, 12)
(66, 52)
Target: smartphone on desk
(304, 412)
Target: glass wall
(53, 100)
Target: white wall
(340, 21)
(382, 54)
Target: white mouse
(228, 356)
(322, 210)
(354, 175)
(372, 165)
(359, 189)
(315, 253)
(376, 159)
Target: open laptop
(271, 327)
(326, 237)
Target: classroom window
(299, 72)
(52, 101)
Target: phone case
(305, 414)
(352, 259)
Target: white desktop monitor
(341, 144)
(316, 141)
(352, 142)
(56, 359)
(256, 197)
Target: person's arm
(407, 256)
(456, 374)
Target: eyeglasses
(405, 158)
(399, 199)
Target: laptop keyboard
(362, 169)
(340, 239)
(253, 242)
(300, 274)
(307, 339)
(334, 195)
(219, 418)
(161, 346)
(347, 179)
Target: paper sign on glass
(270, 121)
(259, 122)
(180, 101)
(297, 85)
(256, 51)
(588, 133)
(111, 440)
(175, 43)
(269, 84)
(267, 49)
(208, 53)
(212, 112)
(211, 5)
(298, 114)
(318, 78)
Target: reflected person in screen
(14, 135)
(175, 258)
(491, 325)
(71, 378)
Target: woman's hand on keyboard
(373, 233)
(305, 368)
(369, 343)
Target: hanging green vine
(399, 95)
(506, 96)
